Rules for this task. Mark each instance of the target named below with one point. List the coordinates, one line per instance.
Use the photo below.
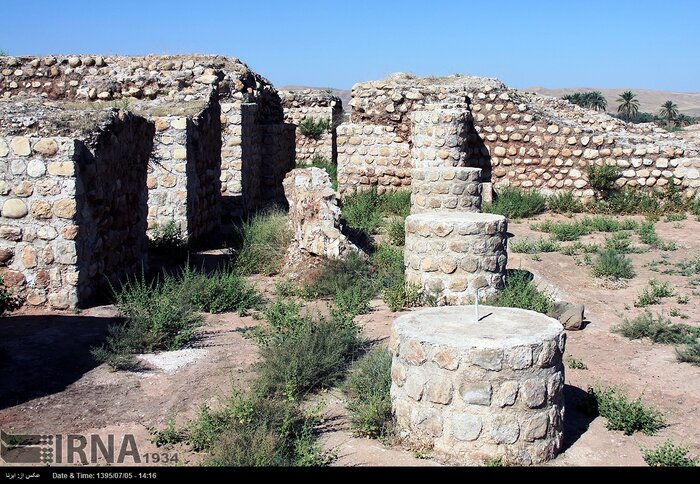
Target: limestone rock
(314, 214)
(14, 208)
(570, 315)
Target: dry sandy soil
(49, 383)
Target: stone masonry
(73, 213)
(206, 140)
(472, 390)
(316, 104)
(452, 250)
(517, 138)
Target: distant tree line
(628, 109)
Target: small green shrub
(309, 356)
(339, 275)
(313, 128)
(602, 178)
(627, 415)
(653, 293)
(6, 300)
(689, 353)
(607, 224)
(397, 231)
(263, 239)
(362, 211)
(532, 247)
(614, 265)
(564, 202)
(367, 388)
(389, 263)
(493, 462)
(658, 329)
(395, 203)
(676, 217)
(578, 247)
(618, 242)
(158, 316)
(400, 295)
(647, 234)
(563, 231)
(521, 292)
(169, 240)
(576, 364)
(222, 291)
(669, 455)
(682, 299)
(515, 203)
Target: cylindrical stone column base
(445, 188)
(440, 137)
(479, 389)
(451, 255)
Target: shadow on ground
(579, 414)
(43, 354)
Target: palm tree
(684, 120)
(629, 106)
(669, 111)
(597, 101)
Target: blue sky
(556, 43)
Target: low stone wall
(73, 215)
(525, 140)
(473, 390)
(372, 156)
(315, 104)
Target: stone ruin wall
(73, 215)
(214, 133)
(184, 176)
(518, 139)
(177, 87)
(316, 104)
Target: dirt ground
(49, 383)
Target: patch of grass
(361, 211)
(669, 455)
(158, 316)
(169, 240)
(521, 292)
(676, 313)
(647, 234)
(249, 430)
(400, 295)
(626, 415)
(493, 462)
(397, 231)
(301, 353)
(7, 300)
(576, 364)
(608, 224)
(339, 275)
(658, 329)
(313, 128)
(527, 246)
(263, 238)
(614, 265)
(395, 203)
(689, 353)
(367, 388)
(564, 202)
(618, 242)
(562, 231)
(514, 203)
(676, 217)
(653, 293)
(602, 178)
(222, 291)
(578, 247)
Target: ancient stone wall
(73, 213)
(315, 104)
(372, 155)
(526, 140)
